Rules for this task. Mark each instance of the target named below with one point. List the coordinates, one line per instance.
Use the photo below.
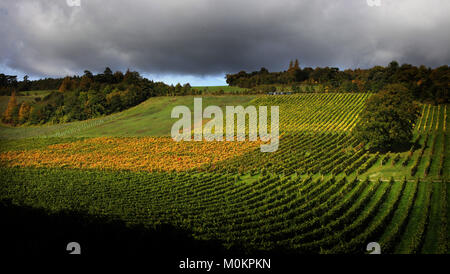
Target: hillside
(321, 192)
(150, 118)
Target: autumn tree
(11, 112)
(85, 83)
(66, 84)
(24, 112)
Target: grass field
(151, 118)
(320, 192)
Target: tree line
(424, 83)
(82, 97)
(10, 84)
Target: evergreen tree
(108, 75)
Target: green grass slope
(150, 118)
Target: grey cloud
(205, 37)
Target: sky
(199, 41)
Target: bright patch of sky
(214, 80)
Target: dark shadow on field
(28, 231)
(37, 232)
(33, 231)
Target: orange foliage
(10, 115)
(147, 154)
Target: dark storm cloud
(204, 37)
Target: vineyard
(316, 111)
(320, 192)
(150, 154)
